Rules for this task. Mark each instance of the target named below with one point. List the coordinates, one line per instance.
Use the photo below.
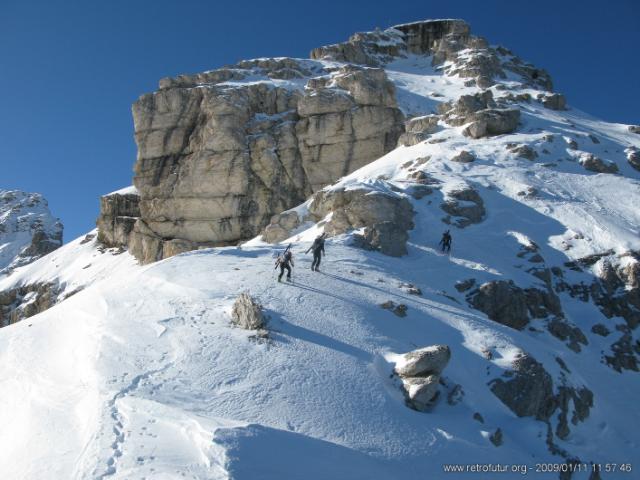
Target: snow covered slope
(140, 373)
(27, 229)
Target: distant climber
(446, 242)
(318, 251)
(285, 261)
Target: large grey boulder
(596, 164)
(528, 390)
(420, 372)
(418, 129)
(554, 101)
(247, 313)
(386, 217)
(491, 122)
(506, 303)
(464, 204)
(424, 361)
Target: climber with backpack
(446, 242)
(318, 251)
(285, 262)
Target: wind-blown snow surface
(141, 375)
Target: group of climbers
(285, 259)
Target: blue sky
(69, 70)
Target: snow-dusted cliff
(27, 229)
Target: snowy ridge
(141, 375)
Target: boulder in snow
(424, 361)
(596, 164)
(247, 313)
(463, 156)
(420, 372)
(554, 101)
(633, 157)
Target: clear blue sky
(70, 69)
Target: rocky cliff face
(221, 152)
(218, 157)
(28, 231)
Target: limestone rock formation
(26, 301)
(480, 115)
(28, 230)
(463, 157)
(119, 212)
(596, 164)
(420, 371)
(215, 163)
(221, 153)
(247, 313)
(418, 129)
(465, 205)
(554, 101)
(506, 303)
(386, 217)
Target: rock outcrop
(247, 313)
(119, 212)
(420, 372)
(481, 116)
(528, 391)
(26, 301)
(216, 162)
(506, 303)
(28, 231)
(596, 164)
(633, 157)
(465, 205)
(385, 216)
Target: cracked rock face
(216, 162)
(119, 212)
(386, 217)
(506, 303)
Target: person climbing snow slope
(285, 262)
(318, 251)
(446, 242)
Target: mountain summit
(170, 350)
(28, 231)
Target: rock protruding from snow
(247, 313)
(385, 216)
(528, 391)
(480, 115)
(216, 162)
(418, 129)
(506, 303)
(465, 205)
(554, 101)
(119, 212)
(596, 164)
(28, 231)
(633, 156)
(420, 371)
